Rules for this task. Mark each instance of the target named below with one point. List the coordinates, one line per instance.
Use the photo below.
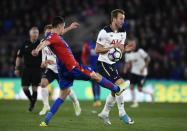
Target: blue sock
(96, 90)
(109, 85)
(53, 110)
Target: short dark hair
(57, 20)
(114, 13)
(49, 26)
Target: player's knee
(96, 77)
(64, 93)
(119, 81)
(44, 82)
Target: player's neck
(55, 30)
(114, 27)
(33, 40)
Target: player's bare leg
(57, 103)
(45, 96)
(110, 101)
(120, 103)
(104, 115)
(107, 84)
(45, 99)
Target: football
(114, 54)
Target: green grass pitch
(148, 117)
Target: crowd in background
(160, 27)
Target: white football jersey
(107, 38)
(47, 54)
(138, 61)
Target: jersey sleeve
(101, 39)
(143, 53)
(43, 55)
(20, 52)
(53, 38)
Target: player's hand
(74, 25)
(43, 65)
(120, 46)
(50, 62)
(34, 52)
(115, 46)
(130, 47)
(17, 73)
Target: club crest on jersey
(116, 42)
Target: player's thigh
(65, 82)
(108, 71)
(102, 70)
(26, 78)
(82, 72)
(48, 77)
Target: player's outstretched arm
(129, 47)
(73, 25)
(18, 66)
(42, 45)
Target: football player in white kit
(51, 74)
(109, 37)
(137, 62)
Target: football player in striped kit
(113, 36)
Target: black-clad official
(28, 66)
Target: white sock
(134, 97)
(45, 96)
(73, 97)
(110, 101)
(120, 104)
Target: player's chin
(121, 25)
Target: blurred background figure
(137, 62)
(89, 57)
